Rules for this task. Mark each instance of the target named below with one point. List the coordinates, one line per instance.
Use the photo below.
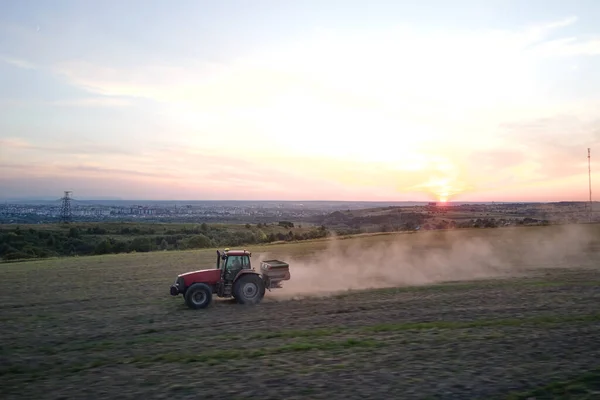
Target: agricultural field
(474, 313)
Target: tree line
(27, 243)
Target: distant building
(141, 210)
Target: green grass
(154, 337)
(537, 321)
(212, 357)
(583, 387)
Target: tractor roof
(237, 252)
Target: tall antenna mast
(590, 180)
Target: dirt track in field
(105, 327)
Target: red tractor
(234, 277)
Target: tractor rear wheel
(249, 289)
(197, 296)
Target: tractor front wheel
(249, 289)
(197, 296)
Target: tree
(104, 247)
(164, 245)
(260, 236)
(141, 244)
(74, 232)
(197, 242)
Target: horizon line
(290, 201)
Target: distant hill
(431, 216)
(380, 218)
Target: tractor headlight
(177, 287)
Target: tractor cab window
(233, 265)
(245, 262)
(237, 263)
(234, 262)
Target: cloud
(14, 143)
(539, 32)
(65, 170)
(17, 167)
(196, 184)
(105, 171)
(539, 44)
(87, 102)
(346, 81)
(492, 160)
(553, 148)
(82, 147)
(92, 102)
(17, 62)
(549, 152)
(161, 83)
(196, 170)
(286, 167)
(564, 131)
(401, 75)
(569, 47)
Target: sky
(300, 100)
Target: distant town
(53, 211)
(174, 211)
(171, 211)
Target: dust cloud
(433, 257)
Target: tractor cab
(231, 262)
